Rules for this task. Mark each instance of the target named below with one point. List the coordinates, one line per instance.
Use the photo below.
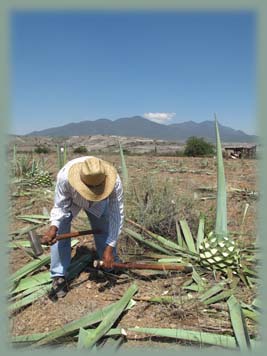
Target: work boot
(59, 287)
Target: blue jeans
(61, 250)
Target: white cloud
(159, 117)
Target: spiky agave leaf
(199, 337)
(218, 250)
(32, 281)
(89, 340)
(74, 326)
(37, 293)
(190, 335)
(30, 267)
(168, 243)
(221, 209)
(239, 324)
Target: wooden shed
(245, 150)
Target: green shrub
(153, 204)
(41, 149)
(80, 149)
(196, 147)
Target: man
(93, 185)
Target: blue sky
(169, 67)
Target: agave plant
(215, 250)
(218, 250)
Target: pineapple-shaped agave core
(42, 178)
(218, 250)
(39, 177)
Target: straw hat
(93, 178)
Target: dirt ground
(190, 179)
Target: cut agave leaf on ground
(212, 291)
(82, 337)
(27, 338)
(224, 341)
(171, 260)
(257, 304)
(189, 335)
(199, 281)
(28, 268)
(112, 344)
(28, 252)
(239, 324)
(245, 279)
(166, 299)
(29, 284)
(34, 216)
(253, 282)
(250, 273)
(218, 297)
(30, 298)
(165, 242)
(108, 320)
(140, 238)
(193, 287)
(32, 220)
(21, 243)
(23, 294)
(32, 281)
(251, 314)
(31, 267)
(188, 236)
(86, 321)
(111, 332)
(24, 230)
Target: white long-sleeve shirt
(68, 201)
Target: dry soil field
(161, 191)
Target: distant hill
(140, 127)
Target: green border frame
(257, 6)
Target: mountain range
(138, 126)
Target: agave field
(197, 213)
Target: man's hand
(108, 257)
(49, 238)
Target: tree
(196, 147)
